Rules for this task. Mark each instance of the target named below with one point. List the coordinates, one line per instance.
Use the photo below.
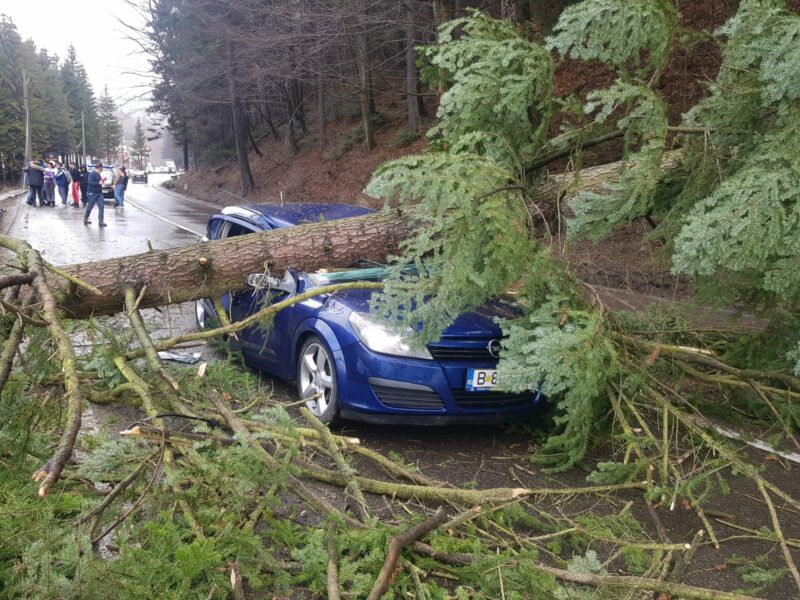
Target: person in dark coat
(94, 187)
(34, 173)
(84, 179)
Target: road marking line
(157, 216)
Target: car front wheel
(316, 380)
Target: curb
(12, 194)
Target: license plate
(481, 380)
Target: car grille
(491, 399)
(396, 397)
(460, 353)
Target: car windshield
(378, 272)
(332, 277)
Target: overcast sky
(99, 39)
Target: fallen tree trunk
(212, 268)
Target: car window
(231, 229)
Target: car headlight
(385, 339)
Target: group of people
(44, 177)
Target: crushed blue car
(348, 364)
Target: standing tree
(109, 125)
(139, 146)
(82, 104)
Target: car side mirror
(264, 282)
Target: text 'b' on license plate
(480, 380)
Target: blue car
(347, 363)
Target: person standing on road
(94, 189)
(35, 175)
(84, 180)
(50, 184)
(124, 182)
(63, 180)
(119, 187)
(75, 174)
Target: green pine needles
(632, 37)
(498, 99)
(730, 212)
(473, 238)
(644, 122)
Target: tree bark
(362, 58)
(321, 116)
(237, 115)
(412, 72)
(178, 275)
(185, 136)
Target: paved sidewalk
(11, 194)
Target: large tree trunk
(240, 137)
(412, 72)
(362, 60)
(212, 268)
(185, 136)
(321, 116)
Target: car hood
(479, 323)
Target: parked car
(108, 178)
(348, 363)
(138, 176)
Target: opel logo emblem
(494, 348)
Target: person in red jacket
(75, 173)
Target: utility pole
(27, 107)
(83, 139)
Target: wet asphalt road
(166, 219)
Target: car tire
(316, 376)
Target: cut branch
(397, 544)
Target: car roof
(289, 215)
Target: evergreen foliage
(747, 225)
(498, 99)
(57, 95)
(472, 239)
(139, 143)
(644, 121)
(110, 130)
(633, 37)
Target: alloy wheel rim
(316, 379)
(200, 313)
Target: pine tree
(139, 146)
(12, 133)
(109, 126)
(80, 96)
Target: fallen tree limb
(396, 546)
(454, 495)
(679, 590)
(332, 579)
(49, 473)
(776, 526)
(347, 471)
(210, 269)
(294, 485)
(232, 328)
(131, 305)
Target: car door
(262, 343)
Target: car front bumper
(378, 388)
